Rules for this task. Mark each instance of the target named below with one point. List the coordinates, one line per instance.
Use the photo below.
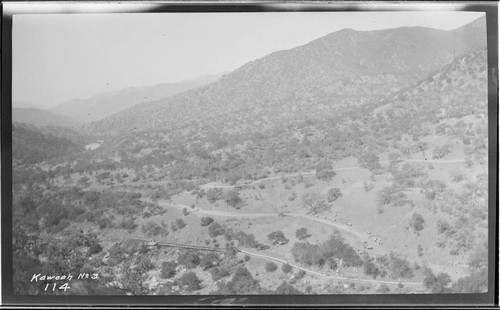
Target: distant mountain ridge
(105, 104)
(24, 105)
(340, 69)
(40, 118)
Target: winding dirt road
(272, 258)
(429, 161)
(329, 276)
(362, 236)
(295, 174)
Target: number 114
(63, 287)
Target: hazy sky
(59, 57)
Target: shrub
(242, 283)
(370, 161)
(95, 248)
(307, 254)
(229, 234)
(314, 203)
(286, 268)
(432, 188)
(299, 275)
(302, 234)
(168, 269)
(133, 280)
(398, 267)
(151, 229)
(438, 283)
(308, 184)
(370, 269)
(57, 213)
(232, 198)
(324, 171)
(214, 194)
(392, 195)
(332, 263)
(246, 239)
(215, 229)
(417, 222)
(262, 247)
(443, 227)
(84, 181)
(407, 175)
(277, 237)
(209, 260)
(180, 223)
(190, 280)
(189, 259)
(134, 196)
(310, 254)
(271, 267)
(144, 263)
(333, 194)
(205, 221)
(218, 273)
(325, 174)
(335, 246)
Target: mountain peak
(344, 66)
(478, 23)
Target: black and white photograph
(276, 152)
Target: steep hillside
(450, 102)
(105, 104)
(41, 118)
(30, 146)
(455, 90)
(342, 69)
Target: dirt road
(295, 174)
(361, 235)
(268, 257)
(429, 161)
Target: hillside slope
(341, 69)
(31, 146)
